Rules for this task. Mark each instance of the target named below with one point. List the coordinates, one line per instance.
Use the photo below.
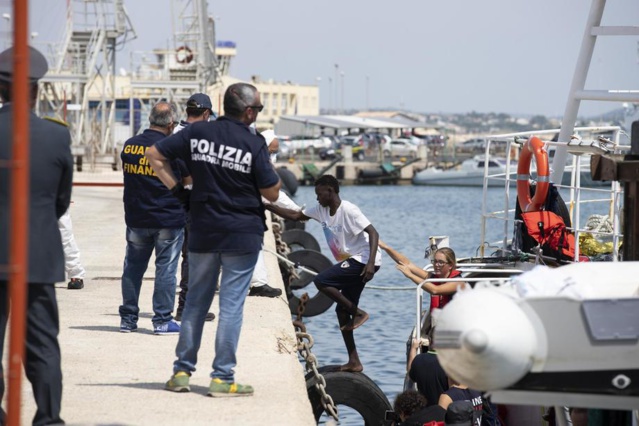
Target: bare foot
(358, 319)
(353, 368)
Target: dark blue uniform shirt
(147, 201)
(229, 165)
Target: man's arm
(162, 167)
(287, 213)
(271, 193)
(373, 241)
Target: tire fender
(354, 390)
(300, 238)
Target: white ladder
(578, 91)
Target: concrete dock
(116, 378)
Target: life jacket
(562, 246)
(549, 230)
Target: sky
(450, 56)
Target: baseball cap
(199, 100)
(37, 65)
(459, 413)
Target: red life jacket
(549, 230)
(439, 301)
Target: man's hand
(182, 194)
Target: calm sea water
(404, 216)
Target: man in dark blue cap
(50, 176)
(198, 108)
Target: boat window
(493, 164)
(481, 163)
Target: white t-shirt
(345, 231)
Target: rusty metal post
(19, 204)
(626, 170)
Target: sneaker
(179, 382)
(128, 328)
(209, 317)
(265, 291)
(221, 388)
(166, 328)
(76, 284)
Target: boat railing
(578, 193)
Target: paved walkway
(116, 378)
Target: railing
(577, 148)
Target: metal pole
(367, 103)
(19, 205)
(336, 83)
(342, 102)
(330, 95)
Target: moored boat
(470, 172)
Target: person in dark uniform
(155, 220)
(198, 108)
(50, 176)
(230, 168)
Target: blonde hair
(449, 254)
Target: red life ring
(183, 55)
(535, 147)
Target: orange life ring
(535, 147)
(183, 55)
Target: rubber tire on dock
(293, 224)
(354, 390)
(289, 182)
(298, 239)
(310, 259)
(315, 261)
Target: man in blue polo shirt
(230, 168)
(155, 219)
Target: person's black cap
(37, 65)
(459, 413)
(199, 100)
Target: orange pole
(19, 202)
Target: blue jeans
(204, 269)
(140, 243)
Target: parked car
(336, 149)
(303, 144)
(285, 150)
(475, 145)
(399, 148)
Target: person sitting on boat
(444, 265)
(353, 241)
(413, 409)
(426, 372)
(460, 392)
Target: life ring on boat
(535, 147)
(183, 55)
(354, 390)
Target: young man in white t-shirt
(353, 241)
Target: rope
(289, 263)
(387, 287)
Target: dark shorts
(346, 276)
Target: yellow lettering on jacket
(135, 149)
(137, 169)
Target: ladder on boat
(578, 91)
